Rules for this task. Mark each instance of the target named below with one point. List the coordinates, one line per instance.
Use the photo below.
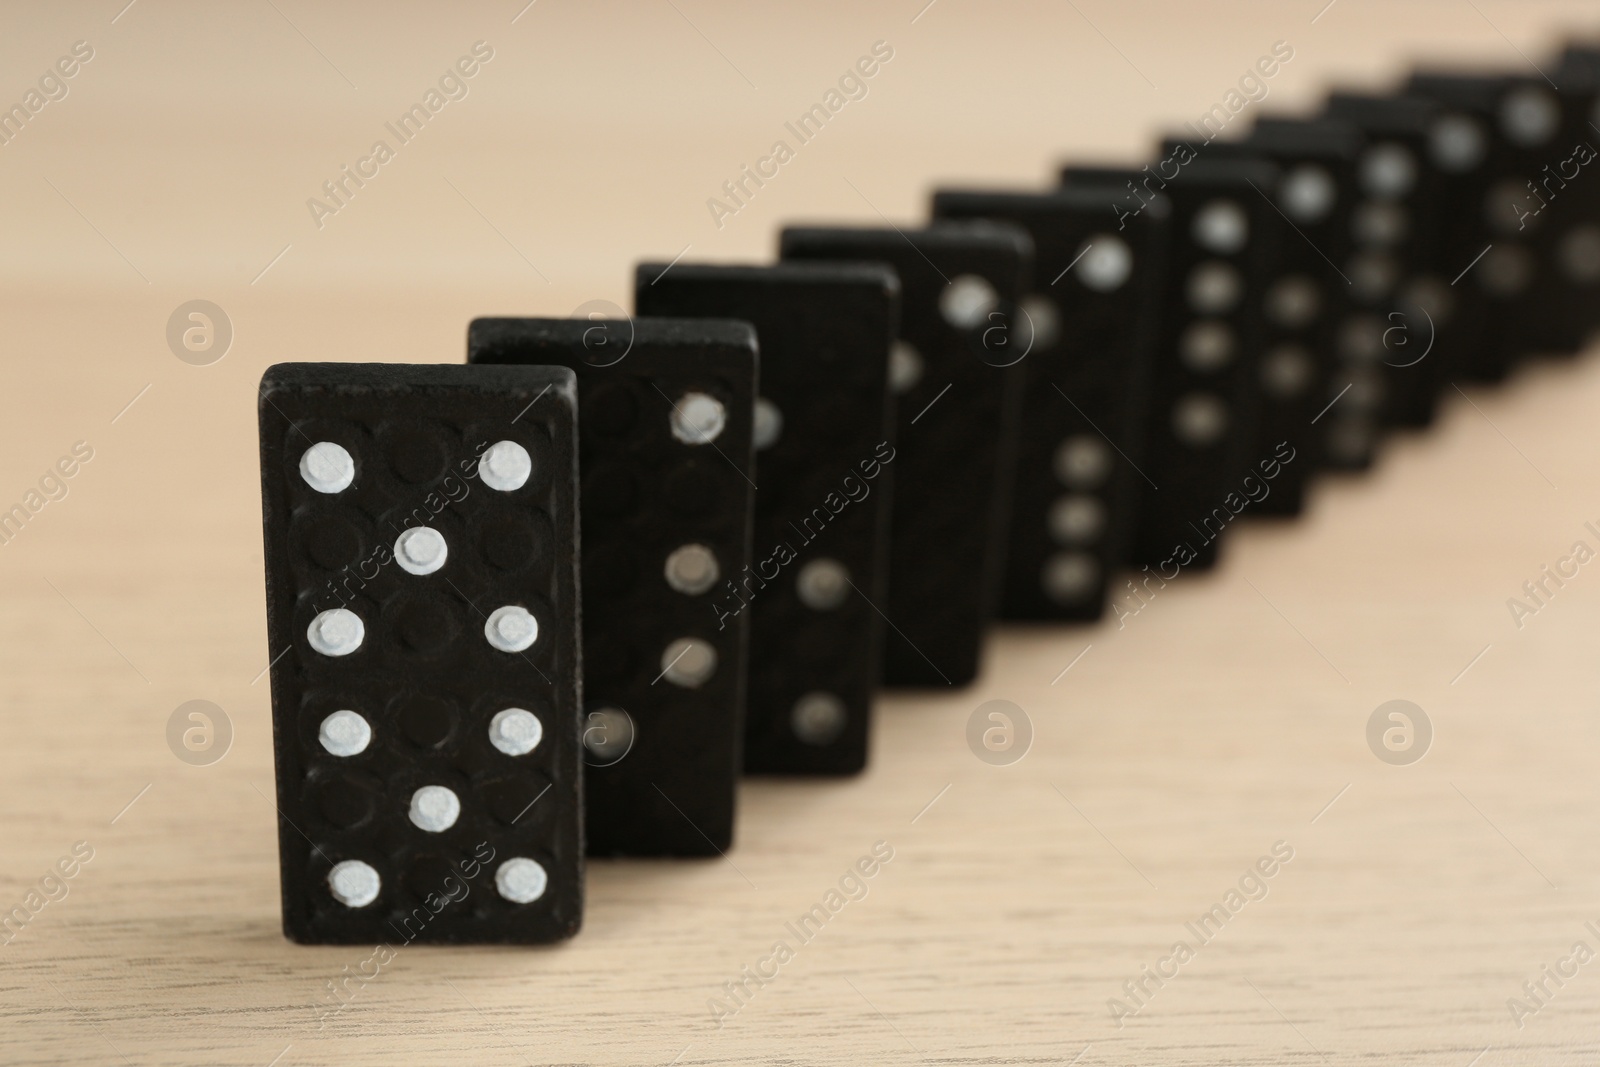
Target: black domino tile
(1518, 125)
(1577, 248)
(822, 496)
(1424, 331)
(662, 740)
(956, 416)
(423, 676)
(1200, 432)
(1320, 331)
(1090, 318)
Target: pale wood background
(1223, 718)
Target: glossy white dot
(768, 423)
(345, 733)
(1579, 254)
(967, 301)
(1287, 370)
(822, 584)
(1388, 170)
(1457, 143)
(1361, 339)
(1043, 317)
(1199, 420)
(420, 550)
(1351, 440)
(905, 367)
(521, 880)
(435, 808)
(1529, 116)
(1206, 345)
(1509, 207)
(1380, 222)
(692, 569)
(1070, 577)
(689, 662)
(1076, 519)
(608, 735)
(1430, 297)
(698, 418)
(1506, 270)
(511, 628)
(1082, 462)
(1373, 275)
(1214, 287)
(336, 632)
(1366, 391)
(1308, 193)
(354, 884)
(1104, 262)
(1221, 226)
(818, 718)
(327, 467)
(515, 731)
(1293, 302)
(505, 466)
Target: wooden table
(1225, 720)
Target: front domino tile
(1200, 442)
(422, 621)
(1090, 318)
(666, 408)
(957, 403)
(825, 455)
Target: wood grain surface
(1170, 753)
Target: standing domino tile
(957, 399)
(1553, 140)
(1321, 312)
(824, 452)
(422, 606)
(1200, 429)
(1545, 197)
(665, 447)
(1458, 145)
(1089, 321)
(1577, 248)
(1395, 226)
(1493, 134)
